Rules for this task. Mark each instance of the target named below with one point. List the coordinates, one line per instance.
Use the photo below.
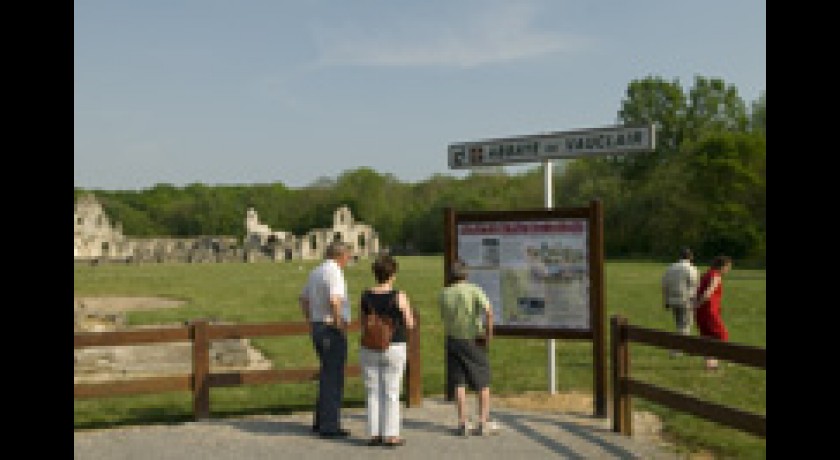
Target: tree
(729, 179)
(758, 115)
(714, 106)
(654, 100)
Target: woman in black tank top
(382, 371)
(385, 304)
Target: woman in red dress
(709, 294)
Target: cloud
(499, 34)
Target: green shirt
(461, 308)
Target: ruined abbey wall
(96, 240)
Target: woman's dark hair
(720, 261)
(384, 267)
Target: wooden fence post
(598, 309)
(620, 371)
(450, 234)
(201, 369)
(616, 390)
(414, 379)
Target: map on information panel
(535, 272)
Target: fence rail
(200, 333)
(622, 334)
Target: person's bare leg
(461, 403)
(484, 405)
(485, 426)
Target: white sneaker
(487, 429)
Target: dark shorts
(467, 364)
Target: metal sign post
(552, 346)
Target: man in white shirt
(326, 307)
(679, 286)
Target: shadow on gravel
(535, 427)
(267, 427)
(586, 434)
(517, 422)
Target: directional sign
(611, 140)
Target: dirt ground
(115, 304)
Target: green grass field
(267, 292)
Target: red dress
(707, 314)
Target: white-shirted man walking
(679, 283)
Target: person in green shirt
(462, 305)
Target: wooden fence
(199, 382)
(624, 386)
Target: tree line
(704, 186)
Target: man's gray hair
(336, 249)
(458, 271)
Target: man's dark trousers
(331, 348)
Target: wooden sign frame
(596, 332)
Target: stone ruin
(97, 240)
(263, 243)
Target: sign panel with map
(543, 270)
(535, 272)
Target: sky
(241, 92)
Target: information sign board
(535, 272)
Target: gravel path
(428, 430)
